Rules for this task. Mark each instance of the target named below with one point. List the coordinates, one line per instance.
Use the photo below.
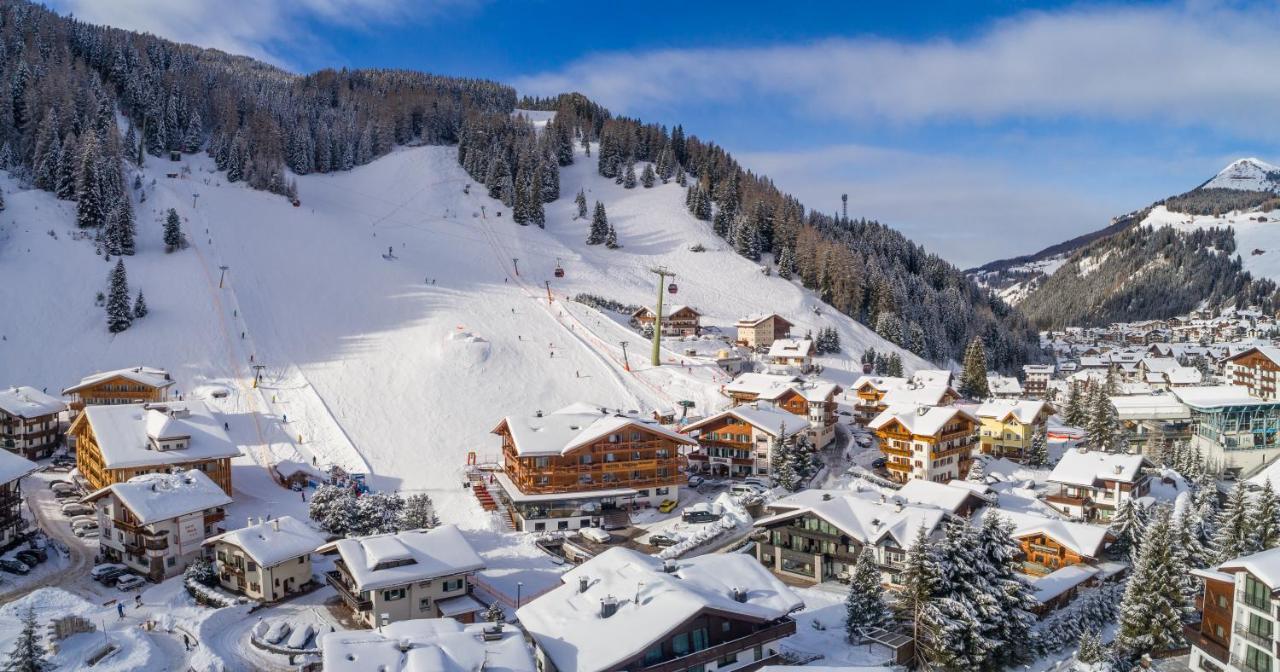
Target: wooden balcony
(1202, 642)
(784, 628)
(1066, 501)
(336, 579)
(890, 450)
(899, 466)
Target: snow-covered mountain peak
(1247, 174)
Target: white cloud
(1188, 65)
(277, 31)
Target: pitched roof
(123, 439)
(1217, 396)
(764, 385)
(1269, 351)
(1003, 384)
(14, 466)
(1086, 540)
(859, 516)
(922, 420)
(568, 625)
(1022, 410)
(156, 497)
(791, 347)
(274, 541)
(574, 426)
(28, 402)
(436, 644)
(755, 319)
(766, 419)
(144, 375)
(1087, 468)
(881, 383)
(375, 561)
(1264, 565)
(931, 394)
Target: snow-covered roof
(755, 319)
(1150, 407)
(942, 495)
(123, 439)
(881, 383)
(1023, 410)
(1217, 396)
(1087, 468)
(859, 516)
(917, 394)
(1159, 364)
(14, 466)
(1042, 369)
(767, 419)
(930, 377)
(1086, 540)
(819, 391)
(574, 426)
(1184, 375)
(999, 384)
(383, 560)
(921, 420)
(426, 645)
(1061, 580)
(1264, 565)
(791, 347)
(1269, 351)
(157, 497)
(667, 310)
(272, 542)
(568, 625)
(28, 402)
(766, 386)
(143, 375)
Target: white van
(745, 489)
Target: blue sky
(981, 130)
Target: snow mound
(466, 348)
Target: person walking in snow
(226, 426)
(186, 641)
(137, 601)
(120, 609)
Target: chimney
(669, 566)
(739, 594)
(608, 606)
(826, 496)
(537, 414)
(583, 582)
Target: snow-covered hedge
(211, 595)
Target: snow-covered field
(1251, 235)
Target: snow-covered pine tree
(139, 307)
(1265, 526)
(1188, 550)
(172, 231)
(629, 176)
(494, 613)
(1091, 650)
(68, 165)
(27, 654)
(787, 263)
(893, 366)
(581, 200)
(333, 508)
(977, 470)
(1000, 564)
(647, 176)
(967, 599)
(864, 607)
(1234, 536)
(1104, 423)
(916, 604)
(599, 225)
(1153, 607)
(377, 513)
(418, 513)
(681, 178)
(973, 378)
(1038, 455)
(1073, 412)
(201, 571)
(611, 238)
(782, 465)
(1127, 526)
(119, 312)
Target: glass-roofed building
(1234, 430)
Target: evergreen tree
(1153, 606)
(973, 379)
(494, 613)
(893, 366)
(917, 605)
(1104, 423)
(1234, 536)
(599, 226)
(333, 508)
(1074, 410)
(864, 607)
(1265, 525)
(1091, 650)
(378, 513)
(139, 307)
(611, 239)
(90, 209)
(1012, 622)
(782, 466)
(581, 200)
(201, 571)
(977, 470)
(648, 177)
(172, 231)
(1038, 455)
(27, 654)
(629, 177)
(787, 263)
(966, 599)
(1127, 526)
(418, 513)
(119, 313)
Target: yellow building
(1008, 426)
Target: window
(1256, 661)
(680, 644)
(424, 604)
(171, 561)
(661, 491)
(1256, 593)
(653, 655)
(759, 652)
(1259, 626)
(699, 639)
(727, 659)
(725, 626)
(393, 595)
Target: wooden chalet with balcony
(13, 527)
(137, 385)
(934, 443)
(677, 320)
(576, 466)
(738, 442)
(1092, 484)
(760, 330)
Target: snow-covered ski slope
(386, 310)
(1257, 235)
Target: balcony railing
(353, 600)
(783, 628)
(1256, 638)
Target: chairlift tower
(663, 274)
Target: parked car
(76, 509)
(106, 568)
(763, 483)
(108, 577)
(662, 540)
(27, 558)
(57, 482)
(129, 582)
(86, 532)
(699, 513)
(879, 462)
(595, 534)
(14, 566)
(38, 551)
(667, 506)
(742, 489)
(81, 519)
(84, 525)
(696, 481)
(66, 495)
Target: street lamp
(519, 588)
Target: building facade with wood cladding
(29, 422)
(136, 385)
(739, 442)
(13, 527)
(1256, 369)
(571, 468)
(934, 443)
(677, 320)
(117, 443)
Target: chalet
(760, 330)
(266, 561)
(29, 424)
(815, 402)
(1049, 544)
(385, 578)
(677, 320)
(116, 443)
(870, 391)
(1236, 609)
(624, 610)
(438, 644)
(1035, 379)
(1008, 426)
(157, 523)
(1256, 369)
(814, 536)
(136, 385)
(752, 387)
(930, 442)
(739, 442)
(791, 354)
(12, 470)
(568, 469)
(1092, 484)
(957, 497)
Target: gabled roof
(573, 427)
(918, 395)
(1003, 384)
(376, 561)
(1264, 565)
(157, 497)
(568, 626)
(667, 311)
(755, 319)
(1269, 351)
(14, 466)
(932, 377)
(866, 520)
(950, 497)
(28, 402)
(1086, 540)
(143, 375)
(1023, 410)
(122, 433)
(880, 383)
(791, 347)
(766, 419)
(921, 420)
(767, 386)
(1087, 468)
(274, 541)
